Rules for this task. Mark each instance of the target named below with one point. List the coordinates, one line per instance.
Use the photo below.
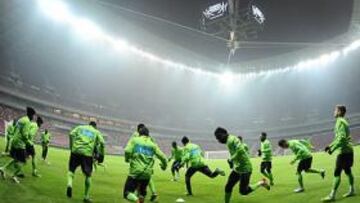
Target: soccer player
(345, 158)
(152, 188)
(176, 154)
(18, 145)
(302, 154)
(9, 135)
(193, 155)
(242, 165)
(140, 152)
(266, 154)
(45, 141)
(30, 149)
(83, 140)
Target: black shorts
(243, 179)
(133, 184)
(265, 166)
(304, 165)
(176, 165)
(345, 161)
(86, 163)
(18, 155)
(30, 150)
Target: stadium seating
(116, 140)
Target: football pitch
(107, 185)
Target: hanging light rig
(245, 22)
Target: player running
(242, 169)
(302, 154)
(152, 188)
(266, 154)
(18, 145)
(345, 158)
(83, 140)
(140, 152)
(193, 155)
(45, 141)
(176, 154)
(30, 148)
(10, 129)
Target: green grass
(108, 185)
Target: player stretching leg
(18, 145)
(266, 154)
(154, 195)
(140, 152)
(194, 156)
(302, 154)
(30, 148)
(83, 141)
(176, 154)
(45, 141)
(345, 159)
(242, 167)
(10, 129)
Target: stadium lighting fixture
(226, 78)
(58, 11)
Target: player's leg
(206, 171)
(233, 178)
(129, 189)
(302, 166)
(74, 162)
(143, 184)
(10, 164)
(347, 164)
(245, 187)
(177, 169)
(189, 173)
(173, 170)
(263, 169)
(269, 172)
(87, 167)
(19, 156)
(152, 190)
(308, 169)
(44, 151)
(336, 181)
(31, 153)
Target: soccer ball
(180, 200)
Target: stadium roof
(60, 66)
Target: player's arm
(161, 156)
(72, 135)
(129, 150)
(186, 157)
(340, 138)
(101, 148)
